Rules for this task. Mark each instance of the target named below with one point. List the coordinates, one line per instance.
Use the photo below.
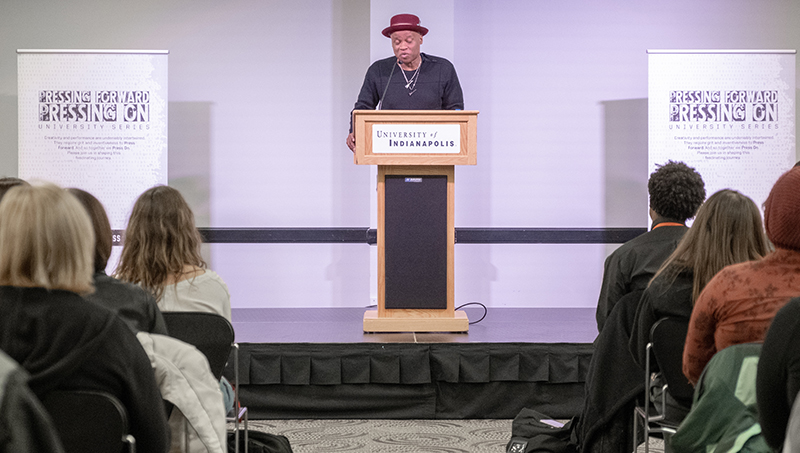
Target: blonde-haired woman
(162, 254)
(62, 340)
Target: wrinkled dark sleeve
(778, 377)
(612, 288)
(29, 428)
(640, 334)
(370, 93)
(159, 325)
(155, 319)
(453, 97)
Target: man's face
(405, 44)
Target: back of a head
(46, 240)
(160, 240)
(676, 191)
(100, 224)
(9, 182)
(727, 230)
(782, 211)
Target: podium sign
(416, 151)
(416, 137)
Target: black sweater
(437, 87)
(66, 342)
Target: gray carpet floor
(396, 436)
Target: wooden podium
(416, 152)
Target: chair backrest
(668, 337)
(211, 333)
(89, 421)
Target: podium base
(373, 323)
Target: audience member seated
(162, 254)
(62, 340)
(197, 422)
(778, 379)
(727, 230)
(614, 381)
(136, 306)
(738, 304)
(676, 191)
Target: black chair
(89, 421)
(212, 335)
(664, 353)
(669, 336)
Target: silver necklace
(411, 83)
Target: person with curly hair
(676, 192)
(728, 230)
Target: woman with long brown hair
(162, 254)
(727, 230)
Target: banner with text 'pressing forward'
(729, 114)
(95, 120)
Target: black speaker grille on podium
(415, 234)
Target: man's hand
(351, 142)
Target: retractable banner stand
(729, 114)
(95, 120)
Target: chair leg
(241, 412)
(646, 415)
(645, 431)
(130, 441)
(236, 435)
(236, 407)
(246, 436)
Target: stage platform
(309, 363)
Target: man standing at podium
(409, 80)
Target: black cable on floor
(485, 310)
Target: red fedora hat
(404, 22)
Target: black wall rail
(463, 235)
